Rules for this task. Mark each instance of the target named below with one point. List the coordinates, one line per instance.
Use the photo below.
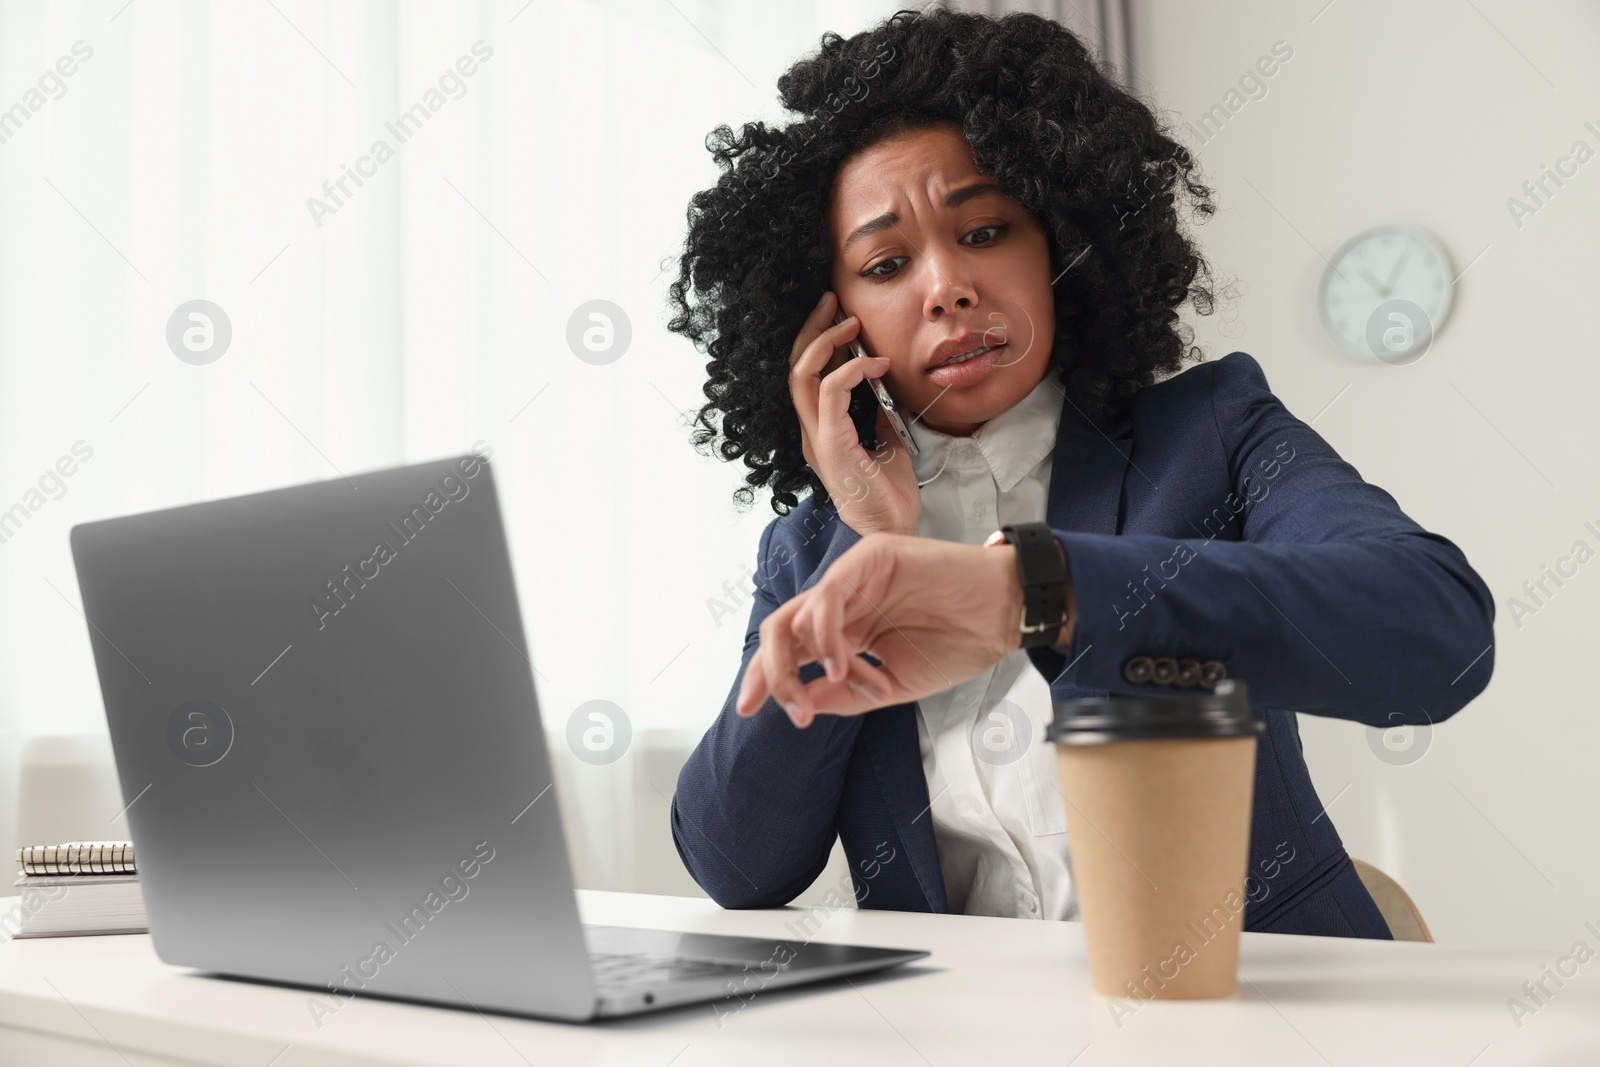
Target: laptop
(322, 707)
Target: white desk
(995, 991)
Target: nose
(950, 285)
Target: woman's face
(936, 261)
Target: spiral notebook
(78, 857)
(81, 887)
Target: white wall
(1433, 113)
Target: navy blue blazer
(1209, 524)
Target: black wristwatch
(1042, 568)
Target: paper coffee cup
(1158, 793)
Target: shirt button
(1031, 902)
(978, 509)
(973, 806)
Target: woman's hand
(934, 613)
(874, 492)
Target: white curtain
(407, 316)
(1105, 25)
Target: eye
(876, 272)
(999, 229)
(873, 273)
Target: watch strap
(1042, 570)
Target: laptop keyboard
(613, 970)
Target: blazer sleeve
(1332, 602)
(753, 816)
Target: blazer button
(1138, 670)
(1212, 671)
(1188, 674)
(1166, 671)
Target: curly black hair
(1089, 159)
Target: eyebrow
(954, 198)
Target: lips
(965, 357)
(966, 344)
(968, 373)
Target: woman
(1001, 224)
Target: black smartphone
(864, 413)
(867, 397)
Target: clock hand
(1395, 272)
(1377, 286)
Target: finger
(856, 694)
(875, 683)
(807, 633)
(806, 375)
(782, 673)
(818, 320)
(805, 378)
(818, 323)
(819, 625)
(833, 399)
(831, 702)
(811, 362)
(752, 687)
(822, 696)
(848, 679)
(805, 447)
(815, 322)
(769, 677)
(857, 678)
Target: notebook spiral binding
(78, 857)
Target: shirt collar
(1012, 443)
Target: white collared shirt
(998, 816)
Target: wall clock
(1386, 293)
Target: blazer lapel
(1087, 473)
(1087, 480)
(891, 738)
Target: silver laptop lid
(322, 708)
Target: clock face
(1386, 293)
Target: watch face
(1386, 293)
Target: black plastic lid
(1223, 712)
